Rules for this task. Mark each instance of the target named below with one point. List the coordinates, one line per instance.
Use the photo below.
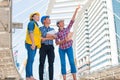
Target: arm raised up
(74, 15)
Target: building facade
(82, 44)
(116, 10)
(96, 36)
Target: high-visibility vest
(37, 36)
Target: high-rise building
(116, 10)
(82, 43)
(97, 35)
(103, 49)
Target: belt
(46, 44)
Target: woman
(32, 42)
(65, 45)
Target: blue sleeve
(44, 32)
(30, 26)
(52, 28)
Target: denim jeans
(69, 52)
(31, 54)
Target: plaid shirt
(62, 34)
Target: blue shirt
(44, 31)
(31, 26)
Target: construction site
(88, 63)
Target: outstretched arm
(73, 18)
(74, 15)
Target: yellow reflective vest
(37, 37)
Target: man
(47, 48)
(32, 42)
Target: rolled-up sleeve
(30, 26)
(44, 34)
(43, 31)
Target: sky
(20, 13)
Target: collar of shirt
(46, 27)
(62, 30)
(35, 23)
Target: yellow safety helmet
(34, 13)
